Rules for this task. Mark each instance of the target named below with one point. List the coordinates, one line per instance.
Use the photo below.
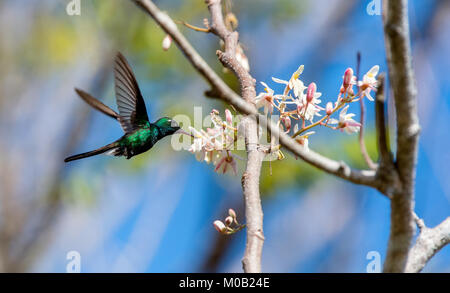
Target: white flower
(311, 111)
(294, 83)
(199, 146)
(226, 163)
(303, 138)
(312, 107)
(369, 82)
(265, 99)
(346, 122)
(298, 87)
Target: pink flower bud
(232, 213)
(167, 41)
(228, 116)
(311, 92)
(228, 221)
(219, 226)
(348, 76)
(329, 108)
(287, 122)
(351, 93)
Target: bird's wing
(96, 104)
(129, 98)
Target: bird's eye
(173, 123)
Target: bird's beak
(181, 131)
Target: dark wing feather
(129, 98)
(96, 104)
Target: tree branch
(428, 243)
(251, 261)
(224, 92)
(219, 87)
(394, 180)
(386, 172)
(250, 179)
(398, 53)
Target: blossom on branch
(265, 99)
(215, 144)
(294, 83)
(230, 225)
(346, 122)
(226, 163)
(369, 82)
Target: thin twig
(362, 144)
(195, 28)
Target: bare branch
(386, 172)
(251, 261)
(219, 86)
(362, 144)
(428, 243)
(250, 179)
(398, 52)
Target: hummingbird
(140, 134)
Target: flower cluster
(299, 105)
(300, 110)
(215, 144)
(230, 225)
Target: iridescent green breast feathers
(140, 135)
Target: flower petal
(277, 80)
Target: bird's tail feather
(107, 148)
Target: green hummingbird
(140, 134)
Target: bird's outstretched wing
(130, 102)
(96, 104)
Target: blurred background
(154, 213)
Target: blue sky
(158, 217)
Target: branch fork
(395, 179)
